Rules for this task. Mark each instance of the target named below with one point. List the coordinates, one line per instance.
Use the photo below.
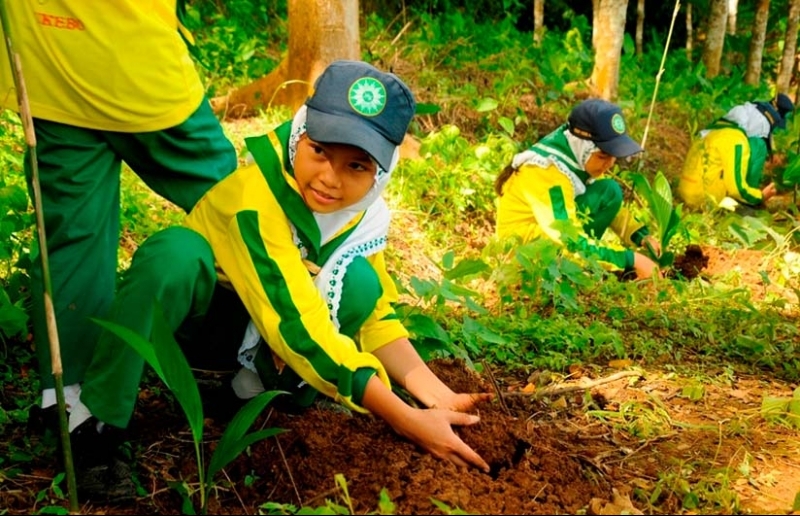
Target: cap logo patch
(617, 123)
(367, 96)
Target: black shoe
(43, 421)
(101, 473)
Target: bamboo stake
(52, 329)
(660, 72)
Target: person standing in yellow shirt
(107, 82)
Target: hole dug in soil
(535, 467)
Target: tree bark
(789, 49)
(715, 37)
(320, 32)
(757, 39)
(538, 21)
(733, 7)
(595, 28)
(609, 24)
(689, 30)
(639, 26)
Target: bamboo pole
(52, 329)
(660, 72)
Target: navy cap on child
(601, 121)
(354, 103)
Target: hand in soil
(463, 402)
(432, 429)
(644, 266)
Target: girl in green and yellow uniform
(727, 159)
(560, 178)
(299, 237)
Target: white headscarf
(749, 119)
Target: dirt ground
(550, 452)
(625, 440)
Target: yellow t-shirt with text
(116, 65)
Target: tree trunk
(595, 28)
(689, 42)
(715, 37)
(789, 49)
(757, 39)
(320, 32)
(538, 21)
(733, 7)
(639, 26)
(609, 22)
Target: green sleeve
(755, 166)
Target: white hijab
(749, 119)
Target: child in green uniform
(299, 237)
(727, 158)
(561, 176)
(107, 82)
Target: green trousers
(599, 205)
(79, 173)
(174, 269)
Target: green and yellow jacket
(725, 162)
(250, 218)
(536, 196)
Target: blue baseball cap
(783, 104)
(772, 115)
(602, 122)
(356, 104)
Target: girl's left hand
(463, 402)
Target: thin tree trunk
(320, 32)
(595, 28)
(639, 26)
(538, 21)
(609, 21)
(789, 48)
(689, 27)
(715, 37)
(733, 7)
(757, 39)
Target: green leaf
(796, 504)
(466, 268)
(507, 124)
(427, 109)
(423, 326)
(385, 504)
(476, 329)
(234, 440)
(13, 319)
(690, 501)
(448, 259)
(177, 374)
(168, 361)
(486, 104)
(773, 408)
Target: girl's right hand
(432, 430)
